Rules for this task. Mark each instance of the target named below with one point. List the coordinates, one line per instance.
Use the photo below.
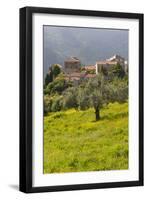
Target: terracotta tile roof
(90, 67)
(76, 74)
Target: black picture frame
(26, 91)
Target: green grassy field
(75, 142)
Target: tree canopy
(54, 71)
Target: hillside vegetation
(75, 142)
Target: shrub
(47, 104)
(55, 70)
(57, 103)
(118, 71)
(82, 99)
(70, 98)
(57, 86)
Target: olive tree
(70, 98)
(99, 91)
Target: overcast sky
(88, 44)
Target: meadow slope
(74, 141)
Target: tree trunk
(97, 114)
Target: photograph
(85, 99)
(81, 99)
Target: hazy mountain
(89, 45)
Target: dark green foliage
(55, 70)
(57, 86)
(48, 78)
(70, 98)
(104, 70)
(117, 71)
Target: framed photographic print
(81, 99)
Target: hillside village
(64, 88)
(74, 71)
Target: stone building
(77, 77)
(72, 64)
(74, 72)
(118, 59)
(108, 63)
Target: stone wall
(70, 67)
